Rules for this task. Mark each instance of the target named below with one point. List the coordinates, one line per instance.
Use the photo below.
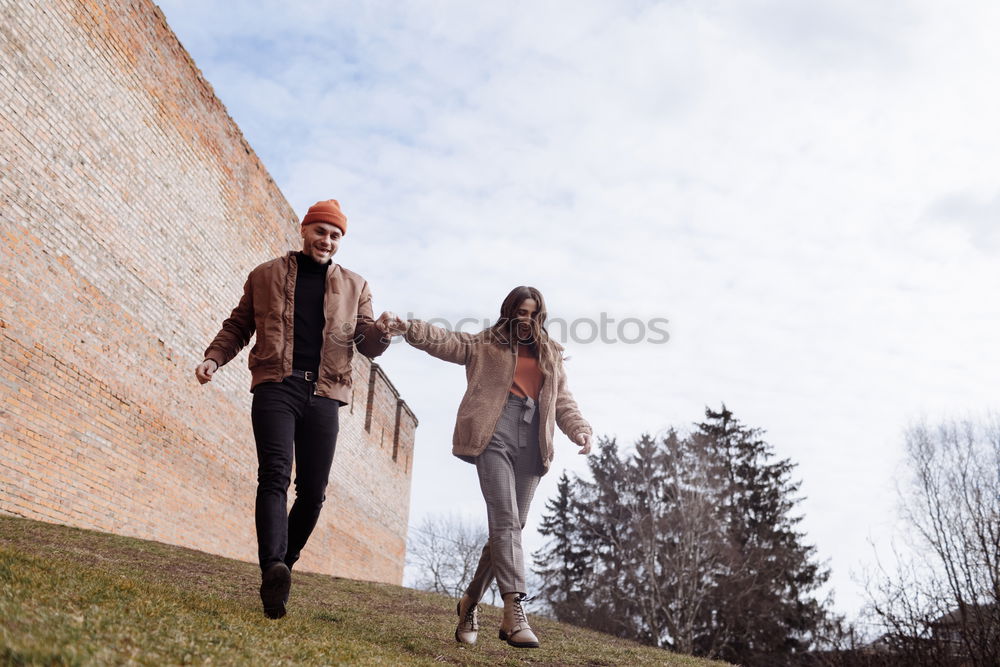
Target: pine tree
(689, 543)
(762, 608)
(563, 564)
(603, 521)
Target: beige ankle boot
(468, 621)
(514, 628)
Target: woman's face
(523, 326)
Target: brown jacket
(268, 307)
(489, 369)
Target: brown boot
(468, 621)
(514, 628)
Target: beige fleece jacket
(489, 370)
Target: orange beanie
(326, 211)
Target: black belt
(308, 376)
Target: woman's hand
(398, 326)
(583, 441)
(390, 323)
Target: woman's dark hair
(504, 333)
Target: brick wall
(131, 210)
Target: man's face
(523, 326)
(320, 241)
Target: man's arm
(368, 337)
(234, 335)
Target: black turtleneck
(310, 287)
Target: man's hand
(206, 370)
(583, 440)
(390, 323)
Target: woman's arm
(453, 346)
(568, 416)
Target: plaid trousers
(509, 470)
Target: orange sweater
(527, 374)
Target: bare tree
(443, 551)
(678, 544)
(942, 603)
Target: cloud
(828, 35)
(978, 217)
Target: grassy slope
(70, 596)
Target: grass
(79, 597)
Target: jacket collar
(333, 275)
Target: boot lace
(471, 617)
(520, 618)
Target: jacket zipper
(288, 328)
(326, 320)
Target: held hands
(206, 370)
(390, 323)
(583, 441)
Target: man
(309, 314)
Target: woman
(516, 393)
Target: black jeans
(288, 419)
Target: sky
(808, 193)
